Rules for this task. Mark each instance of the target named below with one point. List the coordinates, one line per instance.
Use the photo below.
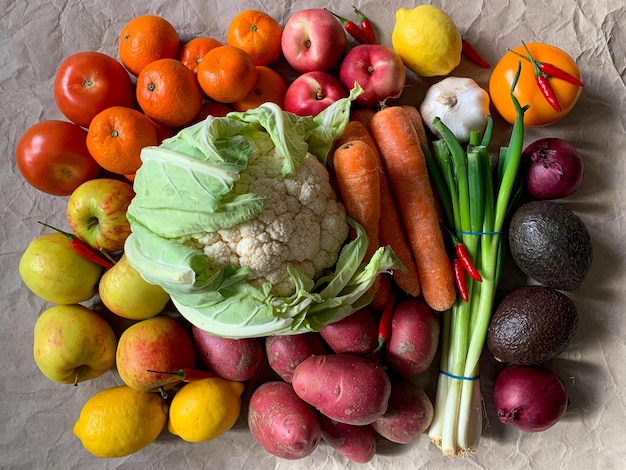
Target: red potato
(356, 443)
(414, 337)
(285, 352)
(231, 359)
(344, 387)
(409, 413)
(355, 334)
(282, 423)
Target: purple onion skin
(531, 398)
(553, 168)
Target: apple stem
(76, 379)
(92, 223)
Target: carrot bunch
(383, 180)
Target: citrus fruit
(119, 421)
(117, 135)
(145, 39)
(168, 92)
(258, 34)
(270, 86)
(205, 409)
(226, 74)
(427, 40)
(192, 52)
(212, 108)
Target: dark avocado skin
(532, 325)
(550, 244)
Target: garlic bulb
(460, 103)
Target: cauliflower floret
(302, 224)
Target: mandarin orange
(168, 92)
(258, 34)
(226, 74)
(192, 52)
(117, 135)
(145, 39)
(270, 86)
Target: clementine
(117, 135)
(192, 52)
(226, 74)
(145, 39)
(258, 34)
(270, 86)
(168, 92)
(212, 108)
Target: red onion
(531, 398)
(553, 168)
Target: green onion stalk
(476, 198)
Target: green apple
(72, 343)
(127, 294)
(54, 271)
(96, 211)
(159, 343)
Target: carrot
(362, 115)
(418, 123)
(391, 232)
(404, 163)
(358, 176)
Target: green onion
(477, 201)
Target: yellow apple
(127, 294)
(54, 271)
(72, 343)
(156, 344)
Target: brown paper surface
(37, 415)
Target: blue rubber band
(458, 377)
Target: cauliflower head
(302, 224)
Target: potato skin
(414, 337)
(285, 352)
(231, 359)
(409, 412)
(355, 334)
(356, 443)
(347, 388)
(282, 423)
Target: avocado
(532, 325)
(550, 244)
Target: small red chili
(351, 27)
(543, 83)
(366, 26)
(187, 374)
(84, 249)
(460, 279)
(384, 326)
(466, 261)
(471, 53)
(552, 70)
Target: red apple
(379, 71)
(312, 92)
(157, 344)
(313, 40)
(96, 212)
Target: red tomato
(53, 157)
(89, 82)
(540, 112)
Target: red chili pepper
(471, 53)
(543, 83)
(186, 374)
(366, 27)
(84, 249)
(466, 261)
(461, 280)
(552, 70)
(351, 27)
(384, 327)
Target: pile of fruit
(352, 382)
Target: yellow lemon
(120, 420)
(204, 409)
(427, 40)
